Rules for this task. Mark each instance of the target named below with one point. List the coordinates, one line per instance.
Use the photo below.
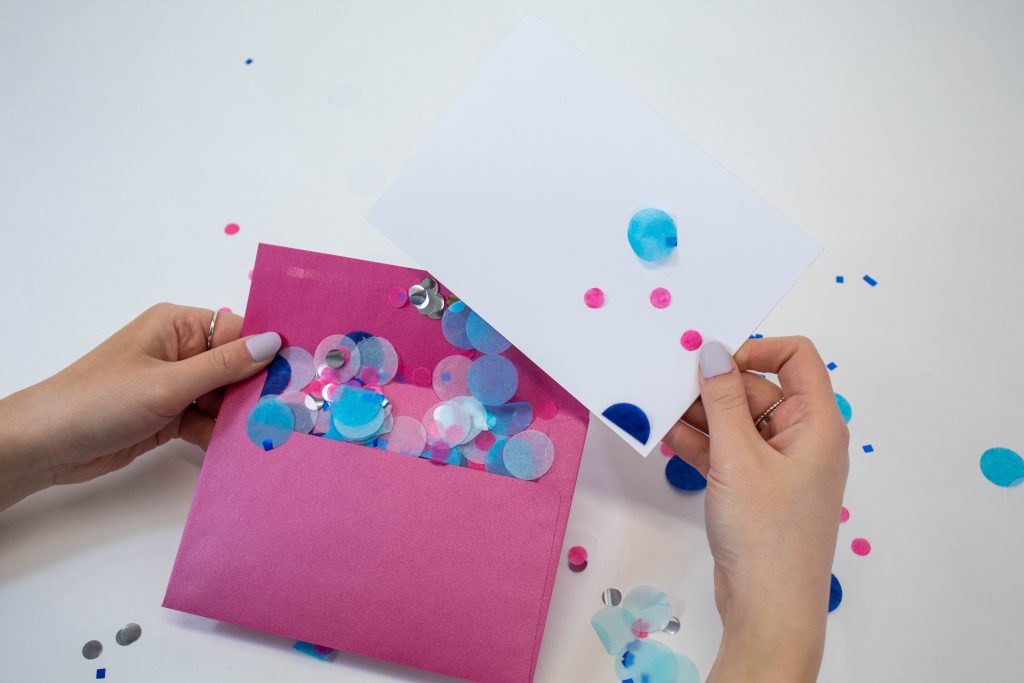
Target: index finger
(795, 360)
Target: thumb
(224, 364)
(723, 394)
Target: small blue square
(868, 448)
(268, 445)
(840, 279)
(756, 335)
(101, 673)
(870, 280)
(249, 61)
(831, 366)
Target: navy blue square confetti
(868, 448)
(840, 279)
(831, 366)
(101, 673)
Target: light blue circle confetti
(453, 325)
(647, 660)
(652, 234)
(844, 408)
(688, 671)
(492, 379)
(483, 337)
(1002, 467)
(270, 423)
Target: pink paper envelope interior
(392, 556)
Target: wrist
(768, 645)
(25, 466)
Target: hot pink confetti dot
(593, 297)
(485, 440)
(660, 297)
(422, 377)
(231, 229)
(398, 297)
(547, 409)
(577, 554)
(860, 546)
(691, 340)
(844, 515)
(250, 273)
(223, 309)
(439, 451)
(666, 451)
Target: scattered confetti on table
(652, 235)
(249, 60)
(630, 419)
(844, 408)
(870, 280)
(593, 297)
(577, 557)
(860, 546)
(1002, 467)
(101, 674)
(835, 594)
(844, 515)
(129, 634)
(92, 649)
(840, 279)
(832, 366)
(691, 340)
(868, 448)
(231, 229)
(660, 297)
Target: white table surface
(893, 132)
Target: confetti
(835, 594)
(407, 437)
(1002, 467)
(868, 448)
(844, 515)
(300, 364)
(249, 60)
(840, 279)
(453, 325)
(870, 280)
(483, 337)
(398, 297)
(546, 409)
(666, 451)
(577, 557)
(451, 377)
(510, 418)
(630, 419)
(660, 297)
(271, 422)
(92, 649)
(232, 229)
(594, 297)
(683, 476)
(101, 674)
(832, 366)
(860, 546)
(652, 235)
(316, 651)
(492, 379)
(844, 408)
(528, 455)
(691, 340)
(129, 634)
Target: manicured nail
(263, 346)
(714, 360)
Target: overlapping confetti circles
(650, 609)
(339, 392)
(654, 662)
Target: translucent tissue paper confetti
(451, 377)
(652, 234)
(650, 609)
(349, 353)
(492, 379)
(453, 325)
(483, 337)
(300, 363)
(528, 455)
(270, 423)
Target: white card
(520, 202)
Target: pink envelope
(439, 567)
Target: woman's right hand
(772, 504)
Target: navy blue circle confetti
(683, 476)
(630, 419)
(835, 594)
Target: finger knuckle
(219, 360)
(726, 401)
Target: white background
(893, 133)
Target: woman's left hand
(153, 381)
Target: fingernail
(714, 360)
(263, 346)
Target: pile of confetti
(340, 391)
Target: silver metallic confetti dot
(429, 284)
(92, 649)
(129, 634)
(418, 296)
(313, 402)
(612, 597)
(672, 627)
(335, 358)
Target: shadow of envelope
(439, 567)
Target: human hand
(772, 504)
(151, 382)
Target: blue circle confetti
(453, 325)
(652, 234)
(684, 476)
(844, 408)
(835, 594)
(484, 337)
(1002, 467)
(647, 660)
(630, 419)
(270, 423)
(492, 379)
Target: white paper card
(520, 202)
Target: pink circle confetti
(223, 309)
(666, 451)
(231, 229)
(860, 546)
(844, 515)
(439, 451)
(398, 297)
(250, 274)
(485, 440)
(691, 340)
(422, 377)
(547, 409)
(594, 297)
(660, 297)
(577, 554)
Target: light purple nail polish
(263, 346)
(714, 360)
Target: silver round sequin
(313, 402)
(673, 626)
(129, 634)
(418, 296)
(612, 597)
(92, 649)
(335, 358)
